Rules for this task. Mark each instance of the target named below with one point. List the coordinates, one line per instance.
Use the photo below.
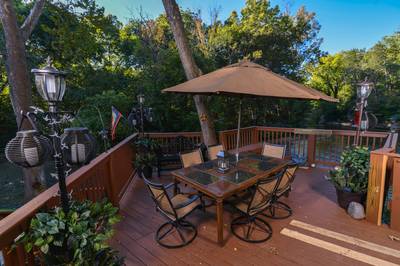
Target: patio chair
(248, 224)
(191, 158)
(213, 151)
(274, 150)
(278, 209)
(178, 230)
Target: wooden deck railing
(384, 172)
(315, 145)
(106, 176)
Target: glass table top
(238, 176)
(202, 177)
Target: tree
(191, 69)
(17, 71)
(16, 60)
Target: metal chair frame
(283, 190)
(177, 223)
(250, 217)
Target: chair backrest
(161, 198)
(263, 193)
(213, 151)
(191, 158)
(287, 179)
(274, 150)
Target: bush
(352, 174)
(76, 238)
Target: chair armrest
(169, 185)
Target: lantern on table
(223, 162)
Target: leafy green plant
(146, 152)
(352, 174)
(145, 160)
(77, 238)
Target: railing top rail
(235, 129)
(173, 134)
(10, 225)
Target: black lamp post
(75, 147)
(363, 91)
(138, 116)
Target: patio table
(219, 186)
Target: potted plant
(77, 238)
(146, 150)
(351, 177)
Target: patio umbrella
(248, 79)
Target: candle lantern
(28, 149)
(223, 162)
(79, 146)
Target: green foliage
(352, 174)
(77, 238)
(146, 152)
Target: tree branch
(31, 21)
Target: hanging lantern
(223, 162)
(28, 149)
(50, 83)
(364, 89)
(79, 146)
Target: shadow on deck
(313, 200)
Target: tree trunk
(16, 63)
(191, 69)
(18, 74)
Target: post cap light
(50, 82)
(140, 98)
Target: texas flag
(115, 117)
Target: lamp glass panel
(40, 84)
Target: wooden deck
(314, 203)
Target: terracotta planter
(344, 198)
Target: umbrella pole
(238, 130)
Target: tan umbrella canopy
(248, 79)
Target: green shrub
(352, 174)
(78, 238)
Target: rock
(356, 210)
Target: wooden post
(254, 135)
(311, 147)
(376, 187)
(395, 206)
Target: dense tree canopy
(110, 62)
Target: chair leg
(246, 227)
(279, 210)
(185, 231)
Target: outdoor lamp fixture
(363, 91)
(50, 83)
(139, 115)
(223, 162)
(29, 148)
(79, 146)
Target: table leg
(220, 221)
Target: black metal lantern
(364, 89)
(50, 82)
(140, 98)
(223, 162)
(28, 149)
(79, 146)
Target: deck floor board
(313, 200)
